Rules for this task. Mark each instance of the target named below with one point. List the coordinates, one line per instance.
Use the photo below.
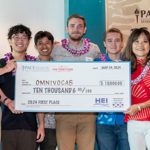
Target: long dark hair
(128, 54)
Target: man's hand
(11, 65)
(40, 134)
(10, 104)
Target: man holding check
(75, 128)
(110, 126)
(44, 42)
(19, 129)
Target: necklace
(102, 57)
(142, 75)
(9, 56)
(75, 52)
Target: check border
(87, 78)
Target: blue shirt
(110, 118)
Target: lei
(75, 52)
(8, 56)
(102, 57)
(142, 75)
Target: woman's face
(141, 47)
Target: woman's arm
(133, 109)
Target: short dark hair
(115, 30)
(42, 34)
(19, 29)
(76, 16)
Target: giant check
(72, 86)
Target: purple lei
(142, 75)
(102, 57)
(8, 56)
(75, 52)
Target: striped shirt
(140, 94)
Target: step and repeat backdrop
(127, 14)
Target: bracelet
(5, 99)
(139, 108)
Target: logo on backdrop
(137, 12)
(142, 16)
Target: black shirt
(11, 121)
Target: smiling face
(44, 46)
(76, 29)
(141, 46)
(113, 43)
(19, 42)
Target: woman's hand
(133, 109)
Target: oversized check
(72, 86)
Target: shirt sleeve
(2, 64)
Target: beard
(74, 38)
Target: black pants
(49, 142)
(18, 140)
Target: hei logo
(101, 101)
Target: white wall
(36, 14)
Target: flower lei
(142, 75)
(75, 52)
(8, 56)
(102, 57)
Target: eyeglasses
(17, 37)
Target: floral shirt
(49, 117)
(110, 118)
(50, 120)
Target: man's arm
(8, 102)
(10, 65)
(40, 131)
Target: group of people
(129, 130)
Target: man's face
(19, 42)
(44, 46)
(113, 43)
(76, 29)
